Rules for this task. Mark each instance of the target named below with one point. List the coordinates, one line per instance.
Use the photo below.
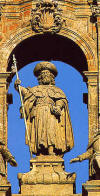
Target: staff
(14, 70)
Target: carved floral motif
(46, 17)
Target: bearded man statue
(47, 114)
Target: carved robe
(5, 155)
(2, 166)
(44, 127)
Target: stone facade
(75, 28)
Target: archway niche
(71, 82)
(49, 47)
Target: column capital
(91, 76)
(5, 77)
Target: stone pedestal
(48, 189)
(47, 178)
(5, 190)
(91, 188)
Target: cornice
(20, 2)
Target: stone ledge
(47, 195)
(91, 188)
(5, 190)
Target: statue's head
(46, 73)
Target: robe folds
(44, 127)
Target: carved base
(47, 177)
(48, 190)
(91, 188)
(46, 170)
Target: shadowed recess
(49, 47)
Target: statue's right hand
(56, 110)
(17, 83)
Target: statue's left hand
(56, 110)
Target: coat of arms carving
(46, 17)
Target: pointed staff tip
(13, 67)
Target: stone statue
(49, 128)
(93, 154)
(5, 155)
(47, 114)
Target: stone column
(3, 106)
(92, 187)
(4, 184)
(98, 38)
(92, 103)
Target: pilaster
(3, 106)
(92, 103)
(3, 113)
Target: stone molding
(46, 17)
(79, 38)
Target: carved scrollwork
(46, 17)
(95, 10)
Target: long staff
(14, 67)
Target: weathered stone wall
(15, 27)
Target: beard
(46, 80)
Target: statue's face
(46, 77)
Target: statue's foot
(50, 150)
(52, 153)
(71, 176)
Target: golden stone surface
(47, 170)
(15, 28)
(49, 129)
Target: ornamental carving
(95, 10)
(46, 17)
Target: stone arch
(70, 41)
(75, 40)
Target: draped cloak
(44, 127)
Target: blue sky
(71, 82)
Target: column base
(91, 188)
(5, 189)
